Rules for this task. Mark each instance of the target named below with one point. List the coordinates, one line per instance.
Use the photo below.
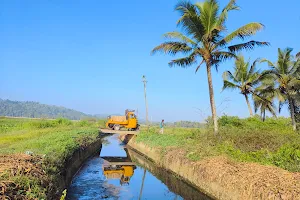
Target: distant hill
(37, 110)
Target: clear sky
(91, 55)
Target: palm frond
(230, 85)
(172, 48)
(229, 7)
(253, 66)
(271, 108)
(199, 66)
(269, 62)
(184, 62)
(294, 84)
(179, 36)
(266, 77)
(208, 15)
(247, 46)
(284, 61)
(227, 75)
(190, 20)
(295, 67)
(298, 55)
(244, 31)
(221, 56)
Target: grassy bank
(247, 140)
(49, 143)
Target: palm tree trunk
(212, 100)
(264, 115)
(292, 112)
(249, 106)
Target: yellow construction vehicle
(129, 121)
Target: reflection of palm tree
(142, 186)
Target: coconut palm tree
(245, 78)
(203, 39)
(286, 74)
(264, 98)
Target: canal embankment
(222, 177)
(38, 158)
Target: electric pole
(146, 103)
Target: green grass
(247, 140)
(55, 140)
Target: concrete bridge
(120, 132)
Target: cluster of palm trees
(281, 82)
(203, 40)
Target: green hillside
(37, 110)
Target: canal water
(120, 173)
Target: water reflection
(119, 173)
(121, 168)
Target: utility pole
(146, 103)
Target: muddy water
(119, 173)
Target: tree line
(203, 39)
(36, 110)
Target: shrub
(63, 121)
(83, 123)
(230, 121)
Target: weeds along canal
(120, 173)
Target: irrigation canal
(120, 173)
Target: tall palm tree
(244, 78)
(285, 72)
(203, 38)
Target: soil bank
(222, 178)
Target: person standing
(162, 124)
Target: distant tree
(204, 38)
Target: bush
(230, 121)
(83, 123)
(63, 121)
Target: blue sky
(91, 55)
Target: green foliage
(272, 142)
(64, 195)
(229, 121)
(83, 123)
(187, 124)
(63, 121)
(31, 184)
(285, 75)
(55, 140)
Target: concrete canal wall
(74, 163)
